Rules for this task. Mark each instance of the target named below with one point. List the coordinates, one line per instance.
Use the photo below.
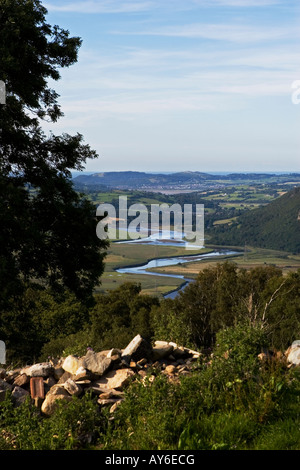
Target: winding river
(160, 262)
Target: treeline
(41, 323)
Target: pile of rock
(105, 373)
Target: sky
(183, 85)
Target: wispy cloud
(117, 6)
(239, 3)
(238, 33)
(105, 6)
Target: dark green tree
(47, 229)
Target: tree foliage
(274, 226)
(48, 230)
(223, 295)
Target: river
(160, 262)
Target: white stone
(72, 387)
(71, 364)
(42, 369)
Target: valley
(224, 207)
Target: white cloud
(105, 6)
(238, 33)
(240, 3)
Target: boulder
(162, 349)
(97, 363)
(170, 370)
(71, 364)
(57, 392)
(42, 369)
(5, 385)
(293, 354)
(21, 380)
(58, 371)
(137, 349)
(116, 379)
(19, 394)
(73, 388)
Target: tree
(47, 229)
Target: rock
(5, 385)
(115, 406)
(114, 352)
(111, 394)
(57, 392)
(58, 371)
(73, 388)
(82, 374)
(116, 379)
(71, 364)
(12, 374)
(137, 349)
(170, 370)
(19, 394)
(43, 369)
(293, 353)
(107, 401)
(97, 363)
(50, 403)
(66, 375)
(22, 379)
(2, 395)
(49, 382)
(178, 351)
(162, 349)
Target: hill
(185, 180)
(274, 226)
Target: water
(160, 262)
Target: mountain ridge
(182, 180)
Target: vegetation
(275, 226)
(47, 229)
(43, 324)
(230, 401)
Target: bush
(76, 425)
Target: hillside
(275, 226)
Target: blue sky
(175, 85)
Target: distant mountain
(275, 226)
(182, 180)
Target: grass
(121, 255)
(253, 257)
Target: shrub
(73, 426)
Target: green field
(121, 255)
